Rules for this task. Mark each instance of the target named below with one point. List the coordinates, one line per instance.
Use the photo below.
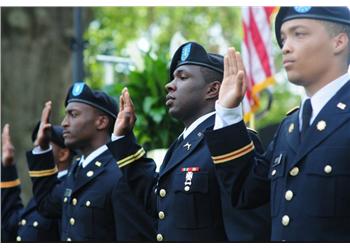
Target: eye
(299, 34)
(73, 114)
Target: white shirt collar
(62, 173)
(93, 155)
(321, 97)
(195, 124)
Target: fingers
(127, 99)
(233, 60)
(226, 67)
(121, 103)
(6, 132)
(6, 139)
(241, 83)
(45, 115)
(239, 62)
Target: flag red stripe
(259, 44)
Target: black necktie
(306, 116)
(77, 169)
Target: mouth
(65, 134)
(287, 63)
(169, 100)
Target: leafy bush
(154, 128)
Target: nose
(170, 86)
(64, 122)
(286, 48)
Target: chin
(69, 143)
(294, 79)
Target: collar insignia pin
(341, 105)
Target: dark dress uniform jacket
(307, 182)
(94, 202)
(19, 223)
(185, 195)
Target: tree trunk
(35, 67)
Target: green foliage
(154, 127)
(283, 101)
(114, 27)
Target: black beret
(194, 54)
(56, 134)
(332, 14)
(80, 92)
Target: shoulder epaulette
(292, 110)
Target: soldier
(94, 202)
(19, 223)
(185, 196)
(305, 170)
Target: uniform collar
(62, 173)
(195, 124)
(321, 97)
(85, 161)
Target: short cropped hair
(335, 29)
(210, 75)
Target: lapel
(187, 146)
(332, 116)
(292, 134)
(91, 171)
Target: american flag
(257, 54)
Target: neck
(311, 88)
(193, 118)
(63, 165)
(93, 145)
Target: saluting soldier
(305, 171)
(185, 196)
(19, 223)
(94, 201)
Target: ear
(341, 43)
(213, 90)
(63, 155)
(102, 122)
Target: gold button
(69, 239)
(18, 238)
(98, 164)
(159, 237)
(161, 215)
(65, 199)
(35, 224)
(273, 172)
(294, 171)
(162, 193)
(72, 221)
(90, 173)
(23, 222)
(74, 201)
(187, 188)
(285, 220)
(288, 195)
(87, 203)
(321, 125)
(327, 169)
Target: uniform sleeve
(47, 189)
(241, 165)
(11, 203)
(138, 170)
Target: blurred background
(46, 49)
